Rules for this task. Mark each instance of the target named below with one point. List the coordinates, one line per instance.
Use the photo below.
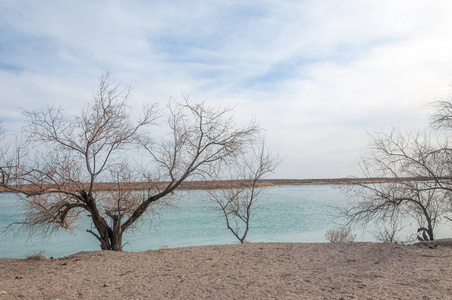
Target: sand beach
(249, 271)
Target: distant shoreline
(203, 185)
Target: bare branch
(236, 201)
(73, 157)
(201, 138)
(402, 158)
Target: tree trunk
(112, 241)
(430, 231)
(109, 239)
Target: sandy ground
(250, 271)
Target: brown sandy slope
(250, 271)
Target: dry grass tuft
(36, 255)
(340, 235)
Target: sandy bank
(250, 271)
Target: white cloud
(318, 75)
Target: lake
(283, 214)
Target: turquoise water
(283, 214)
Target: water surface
(283, 214)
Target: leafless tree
(442, 122)
(416, 176)
(87, 166)
(12, 152)
(3, 150)
(235, 202)
(442, 118)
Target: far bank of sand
(250, 271)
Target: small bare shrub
(36, 255)
(340, 235)
(163, 248)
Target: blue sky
(318, 75)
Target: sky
(318, 76)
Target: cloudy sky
(317, 75)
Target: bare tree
(236, 201)
(416, 172)
(442, 118)
(11, 154)
(87, 166)
(415, 181)
(4, 162)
